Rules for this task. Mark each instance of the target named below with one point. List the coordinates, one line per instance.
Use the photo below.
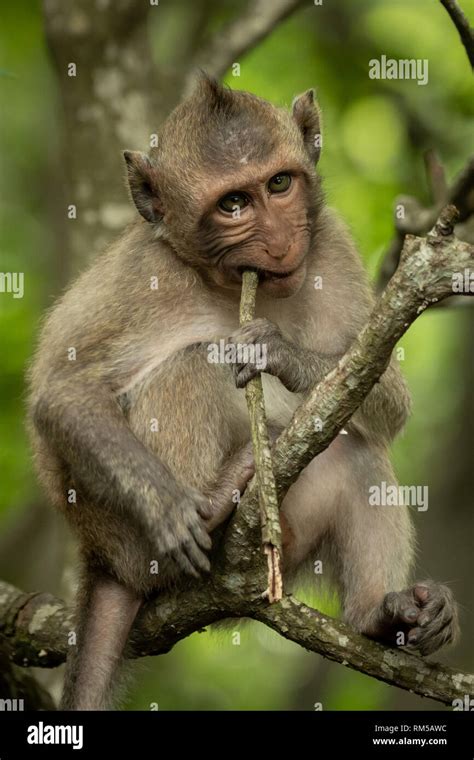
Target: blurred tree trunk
(110, 98)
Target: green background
(375, 133)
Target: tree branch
(39, 637)
(417, 220)
(461, 23)
(239, 36)
(35, 626)
(332, 639)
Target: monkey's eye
(279, 183)
(232, 201)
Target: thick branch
(17, 684)
(33, 627)
(41, 639)
(318, 633)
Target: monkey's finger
(201, 536)
(253, 331)
(205, 509)
(242, 335)
(441, 623)
(433, 597)
(400, 605)
(197, 557)
(427, 641)
(246, 374)
(181, 559)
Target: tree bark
(112, 103)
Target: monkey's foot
(423, 617)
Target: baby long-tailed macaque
(140, 438)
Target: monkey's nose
(276, 251)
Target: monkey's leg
(233, 478)
(232, 481)
(374, 550)
(326, 514)
(308, 511)
(106, 611)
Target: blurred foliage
(374, 136)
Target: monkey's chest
(190, 414)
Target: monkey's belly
(190, 414)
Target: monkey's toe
(426, 614)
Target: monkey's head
(232, 186)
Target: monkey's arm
(84, 422)
(383, 412)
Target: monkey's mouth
(266, 275)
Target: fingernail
(421, 593)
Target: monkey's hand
(181, 535)
(260, 347)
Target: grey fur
(140, 356)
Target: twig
(465, 30)
(436, 176)
(417, 220)
(268, 500)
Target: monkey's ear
(306, 114)
(142, 183)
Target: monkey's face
(259, 220)
(231, 186)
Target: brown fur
(141, 355)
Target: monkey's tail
(105, 613)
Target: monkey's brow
(246, 182)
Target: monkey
(128, 414)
